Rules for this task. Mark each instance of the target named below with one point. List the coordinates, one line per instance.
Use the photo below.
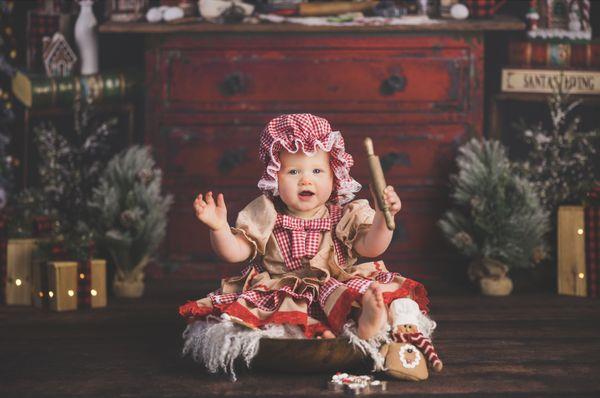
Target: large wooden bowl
(309, 355)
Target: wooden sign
(547, 81)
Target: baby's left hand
(392, 200)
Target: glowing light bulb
(82, 276)
(41, 294)
(50, 294)
(71, 293)
(93, 292)
(18, 282)
(581, 275)
(580, 231)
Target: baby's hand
(211, 214)
(392, 200)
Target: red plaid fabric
(327, 288)
(219, 298)
(264, 300)
(592, 249)
(359, 285)
(385, 277)
(305, 234)
(298, 238)
(307, 133)
(481, 8)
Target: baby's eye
(293, 172)
(317, 171)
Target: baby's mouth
(306, 194)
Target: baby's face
(305, 183)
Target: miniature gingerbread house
(59, 57)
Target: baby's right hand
(211, 214)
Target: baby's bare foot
(373, 312)
(328, 334)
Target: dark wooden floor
(522, 345)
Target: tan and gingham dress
(316, 291)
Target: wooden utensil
(378, 183)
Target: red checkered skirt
(256, 298)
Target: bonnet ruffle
(306, 132)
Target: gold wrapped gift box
(18, 281)
(69, 285)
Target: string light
(82, 276)
(18, 282)
(580, 231)
(581, 275)
(71, 293)
(94, 292)
(50, 294)
(41, 294)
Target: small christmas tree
(562, 162)
(132, 215)
(496, 219)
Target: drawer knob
(393, 84)
(233, 84)
(231, 159)
(394, 158)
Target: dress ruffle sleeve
(356, 217)
(255, 222)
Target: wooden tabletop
(540, 345)
(499, 23)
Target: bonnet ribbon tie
(306, 234)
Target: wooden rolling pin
(378, 183)
(333, 8)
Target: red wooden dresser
(417, 91)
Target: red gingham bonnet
(306, 132)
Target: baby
(302, 238)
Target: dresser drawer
(217, 154)
(212, 154)
(409, 154)
(294, 80)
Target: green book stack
(37, 91)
